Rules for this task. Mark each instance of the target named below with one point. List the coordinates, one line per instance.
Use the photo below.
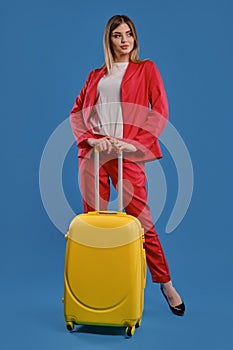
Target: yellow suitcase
(105, 268)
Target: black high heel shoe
(178, 310)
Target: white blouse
(110, 119)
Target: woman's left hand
(121, 146)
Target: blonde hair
(111, 25)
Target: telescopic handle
(97, 180)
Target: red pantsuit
(141, 86)
(135, 203)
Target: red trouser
(135, 203)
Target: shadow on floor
(101, 330)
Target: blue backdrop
(47, 49)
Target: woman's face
(122, 42)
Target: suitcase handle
(97, 180)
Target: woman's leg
(135, 203)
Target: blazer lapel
(94, 84)
(91, 96)
(130, 70)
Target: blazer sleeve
(79, 128)
(158, 111)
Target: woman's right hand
(102, 143)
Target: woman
(112, 112)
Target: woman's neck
(123, 58)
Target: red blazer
(144, 109)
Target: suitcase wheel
(130, 331)
(70, 326)
(138, 323)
